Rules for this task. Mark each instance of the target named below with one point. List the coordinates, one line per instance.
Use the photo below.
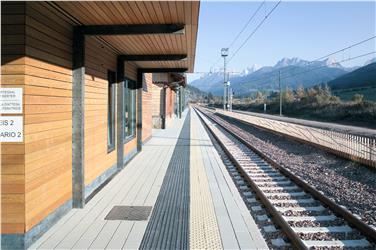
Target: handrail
(358, 148)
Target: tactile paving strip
(203, 227)
(168, 227)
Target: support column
(163, 111)
(120, 113)
(139, 110)
(78, 118)
(181, 101)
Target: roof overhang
(133, 29)
(140, 58)
(145, 29)
(172, 80)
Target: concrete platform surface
(195, 203)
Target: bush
(318, 103)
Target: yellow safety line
(203, 226)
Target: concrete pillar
(163, 111)
(78, 118)
(181, 93)
(120, 113)
(140, 79)
(179, 101)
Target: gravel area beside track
(349, 184)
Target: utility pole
(231, 96)
(224, 54)
(280, 93)
(228, 96)
(228, 91)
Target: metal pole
(224, 54)
(228, 96)
(280, 94)
(228, 91)
(224, 83)
(230, 99)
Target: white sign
(11, 129)
(11, 100)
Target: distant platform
(361, 131)
(175, 194)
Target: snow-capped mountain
(370, 61)
(329, 62)
(250, 70)
(294, 71)
(362, 77)
(284, 62)
(295, 61)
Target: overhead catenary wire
(323, 66)
(346, 48)
(254, 31)
(321, 57)
(246, 24)
(274, 77)
(315, 60)
(242, 30)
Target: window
(111, 76)
(129, 110)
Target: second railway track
(307, 217)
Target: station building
(96, 77)
(166, 104)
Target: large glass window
(111, 76)
(129, 110)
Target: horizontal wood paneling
(12, 154)
(147, 97)
(131, 70)
(37, 56)
(170, 95)
(144, 12)
(156, 100)
(99, 58)
(129, 146)
(13, 169)
(48, 112)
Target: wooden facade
(165, 93)
(147, 96)
(37, 42)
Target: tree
(260, 97)
(210, 97)
(326, 90)
(288, 95)
(357, 98)
(300, 92)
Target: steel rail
(339, 210)
(367, 162)
(276, 216)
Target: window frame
(111, 110)
(129, 92)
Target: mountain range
(361, 77)
(294, 72)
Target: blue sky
(307, 30)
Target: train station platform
(175, 194)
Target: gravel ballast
(350, 184)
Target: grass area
(369, 93)
(318, 104)
(362, 114)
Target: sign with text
(11, 129)
(11, 100)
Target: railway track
(307, 217)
